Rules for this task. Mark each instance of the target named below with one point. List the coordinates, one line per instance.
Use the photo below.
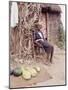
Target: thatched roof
(51, 8)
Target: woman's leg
(49, 49)
(52, 52)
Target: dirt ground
(56, 70)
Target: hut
(51, 17)
(48, 15)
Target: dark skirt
(45, 45)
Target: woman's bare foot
(47, 63)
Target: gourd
(32, 71)
(11, 71)
(37, 68)
(26, 74)
(17, 71)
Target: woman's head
(38, 26)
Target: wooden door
(43, 22)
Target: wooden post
(47, 25)
(20, 27)
(33, 51)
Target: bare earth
(56, 70)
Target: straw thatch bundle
(51, 8)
